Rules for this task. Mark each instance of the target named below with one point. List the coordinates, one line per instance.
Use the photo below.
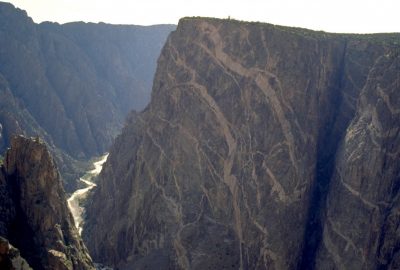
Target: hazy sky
(363, 16)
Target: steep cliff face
(10, 258)
(89, 76)
(34, 214)
(234, 162)
(362, 222)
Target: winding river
(74, 202)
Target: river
(74, 202)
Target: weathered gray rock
(34, 214)
(73, 84)
(230, 165)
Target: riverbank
(76, 199)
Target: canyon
(73, 84)
(78, 198)
(263, 147)
(259, 147)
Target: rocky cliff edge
(34, 214)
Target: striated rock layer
(361, 227)
(34, 215)
(263, 147)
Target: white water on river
(76, 198)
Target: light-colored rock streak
(176, 209)
(355, 193)
(262, 80)
(228, 178)
(276, 187)
(185, 132)
(332, 250)
(262, 83)
(334, 228)
(156, 144)
(386, 99)
(349, 242)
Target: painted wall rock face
(236, 161)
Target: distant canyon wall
(73, 84)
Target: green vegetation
(1, 160)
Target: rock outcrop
(73, 84)
(34, 215)
(263, 147)
(10, 258)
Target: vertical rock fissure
(327, 146)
